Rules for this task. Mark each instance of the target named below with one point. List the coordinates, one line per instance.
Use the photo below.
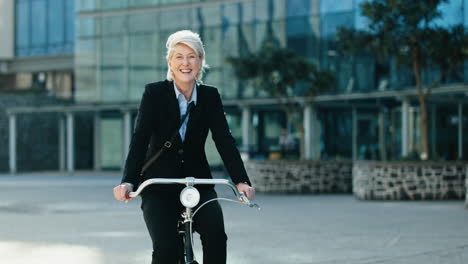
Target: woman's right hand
(121, 192)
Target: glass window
(139, 76)
(143, 22)
(173, 2)
(234, 119)
(267, 10)
(69, 24)
(85, 80)
(112, 25)
(365, 74)
(114, 65)
(265, 131)
(55, 21)
(392, 133)
(44, 27)
(270, 30)
(86, 52)
(231, 13)
(88, 26)
(38, 27)
(212, 39)
(368, 135)
(299, 26)
(114, 4)
(206, 15)
(83, 151)
(446, 132)
(114, 84)
(275, 122)
(246, 12)
(336, 137)
(214, 77)
(331, 21)
(143, 3)
(183, 21)
(465, 14)
(298, 8)
(144, 52)
(111, 142)
(335, 6)
(464, 132)
(114, 51)
(86, 5)
(361, 22)
(22, 28)
(230, 47)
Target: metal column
(460, 131)
(382, 141)
(97, 141)
(311, 133)
(404, 127)
(355, 131)
(12, 143)
(246, 116)
(307, 131)
(127, 127)
(70, 143)
(433, 131)
(61, 142)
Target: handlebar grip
(246, 201)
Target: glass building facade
(44, 27)
(120, 46)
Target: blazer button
(181, 151)
(182, 161)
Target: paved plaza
(53, 218)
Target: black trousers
(161, 212)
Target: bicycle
(190, 197)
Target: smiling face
(184, 64)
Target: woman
(159, 117)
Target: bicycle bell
(189, 197)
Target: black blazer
(157, 120)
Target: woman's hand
(246, 189)
(121, 192)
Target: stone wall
(300, 176)
(409, 180)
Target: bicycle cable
(203, 204)
(214, 199)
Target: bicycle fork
(187, 237)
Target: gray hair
(192, 40)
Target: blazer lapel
(194, 115)
(173, 111)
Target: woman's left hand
(246, 189)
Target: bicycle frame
(190, 198)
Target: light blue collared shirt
(183, 103)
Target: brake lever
(247, 202)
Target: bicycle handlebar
(190, 181)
